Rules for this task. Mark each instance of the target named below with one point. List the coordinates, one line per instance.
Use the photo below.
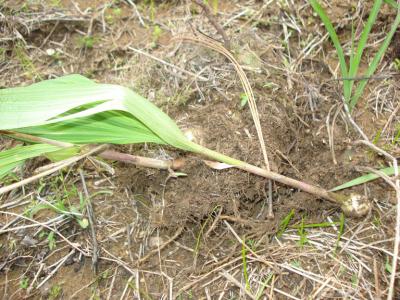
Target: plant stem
(353, 204)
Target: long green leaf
(374, 64)
(393, 3)
(335, 39)
(40, 102)
(107, 127)
(51, 108)
(363, 41)
(48, 102)
(7, 169)
(363, 179)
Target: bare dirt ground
(183, 238)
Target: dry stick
(251, 100)
(396, 186)
(73, 245)
(89, 209)
(61, 263)
(210, 16)
(155, 251)
(112, 284)
(389, 120)
(168, 64)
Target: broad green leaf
(11, 158)
(39, 102)
(363, 179)
(76, 110)
(113, 127)
(49, 101)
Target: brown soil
(143, 208)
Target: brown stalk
(352, 205)
(210, 16)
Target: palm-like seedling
(76, 111)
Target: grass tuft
(352, 91)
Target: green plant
(115, 13)
(55, 292)
(388, 265)
(24, 283)
(68, 113)
(25, 61)
(302, 234)
(51, 240)
(3, 52)
(56, 3)
(397, 63)
(213, 4)
(244, 262)
(365, 178)
(243, 100)
(353, 91)
(156, 34)
(88, 41)
(60, 201)
(341, 230)
(264, 285)
(284, 223)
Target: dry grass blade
(210, 43)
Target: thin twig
(92, 223)
(168, 64)
(210, 16)
(156, 251)
(60, 264)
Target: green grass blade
(335, 39)
(363, 179)
(393, 3)
(284, 223)
(374, 64)
(355, 63)
(244, 262)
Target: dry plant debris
(202, 236)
